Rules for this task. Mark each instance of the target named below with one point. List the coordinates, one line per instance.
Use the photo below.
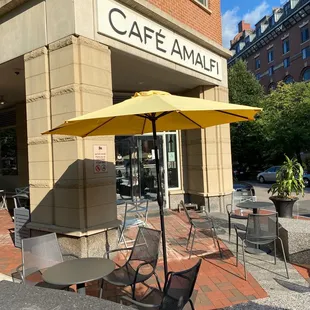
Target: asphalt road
(301, 208)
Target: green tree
(246, 137)
(285, 120)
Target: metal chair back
(22, 190)
(186, 211)
(262, 228)
(40, 253)
(179, 287)
(239, 197)
(146, 246)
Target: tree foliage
(285, 120)
(245, 136)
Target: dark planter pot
(284, 206)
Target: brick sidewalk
(219, 284)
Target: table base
(81, 289)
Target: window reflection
(8, 152)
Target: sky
(233, 11)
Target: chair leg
(213, 236)
(229, 228)
(217, 241)
(237, 251)
(157, 280)
(101, 288)
(133, 288)
(190, 254)
(275, 251)
(284, 257)
(243, 254)
(192, 305)
(189, 236)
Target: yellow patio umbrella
(152, 111)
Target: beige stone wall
(207, 157)
(66, 79)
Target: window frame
(303, 30)
(271, 70)
(257, 63)
(270, 52)
(285, 47)
(288, 61)
(307, 52)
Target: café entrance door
(136, 169)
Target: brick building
(279, 46)
(64, 58)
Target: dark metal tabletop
(254, 204)
(78, 271)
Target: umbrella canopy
(155, 111)
(171, 113)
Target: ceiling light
(2, 102)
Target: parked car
(268, 175)
(244, 186)
(307, 179)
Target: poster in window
(100, 159)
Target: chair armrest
(106, 254)
(240, 227)
(19, 269)
(70, 254)
(137, 303)
(141, 265)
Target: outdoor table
(254, 206)
(78, 271)
(15, 296)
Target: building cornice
(9, 5)
(153, 12)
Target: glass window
(258, 31)
(288, 80)
(257, 63)
(286, 62)
(8, 151)
(270, 56)
(306, 75)
(271, 21)
(272, 169)
(305, 52)
(257, 76)
(271, 70)
(204, 2)
(286, 46)
(304, 34)
(172, 160)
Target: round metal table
(254, 206)
(78, 271)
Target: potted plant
(289, 180)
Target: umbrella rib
(110, 119)
(232, 114)
(190, 119)
(143, 126)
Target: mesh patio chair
(135, 216)
(177, 292)
(38, 254)
(262, 229)
(196, 223)
(144, 254)
(21, 201)
(234, 212)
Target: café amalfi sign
(123, 24)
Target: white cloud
(255, 15)
(230, 21)
(231, 18)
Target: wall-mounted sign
(121, 23)
(100, 159)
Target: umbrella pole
(160, 197)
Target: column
(70, 78)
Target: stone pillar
(208, 158)
(69, 78)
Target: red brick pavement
(219, 284)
